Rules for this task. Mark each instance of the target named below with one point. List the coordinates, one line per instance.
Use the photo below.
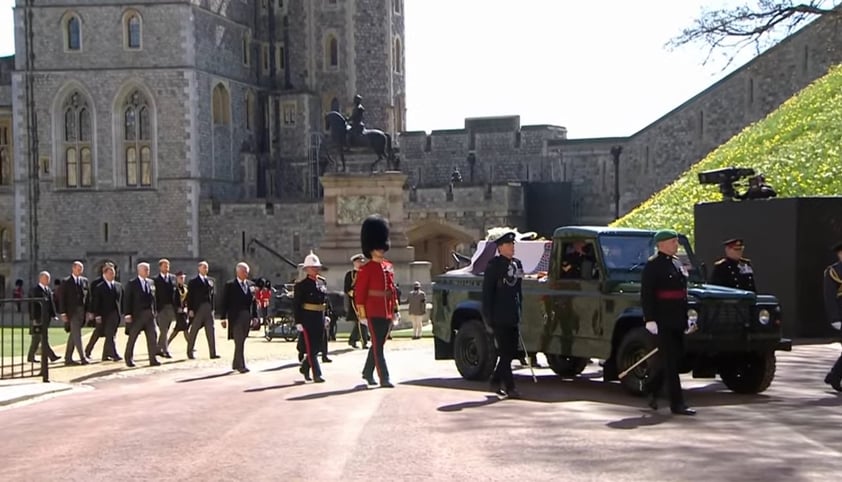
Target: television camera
(727, 179)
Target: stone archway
(434, 240)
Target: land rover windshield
(626, 254)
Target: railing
(17, 333)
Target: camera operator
(758, 189)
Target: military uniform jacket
(375, 292)
(350, 279)
(733, 274)
(663, 292)
(308, 294)
(833, 292)
(502, 296)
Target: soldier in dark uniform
(359, 331)
(663, 296)
(580, 257)
(833, 307)
(329, 320)
(733, 270)
(501, 310)
(308, 305)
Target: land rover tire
(748, 373)
(567, 366)
(474, 352)
(636, 344)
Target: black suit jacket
(135, 299)
(199, 292)
(107, 300)
(164, 288)
(235, 300)
(36, 314)
(74, 296)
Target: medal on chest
(680, 268)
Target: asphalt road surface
(209, 424)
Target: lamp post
(615, 153)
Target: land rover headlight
(692, 316)
(763, 317)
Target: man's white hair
(205, 263)
(142, 265)
(78, 263)
(44, 273)
(244, 266)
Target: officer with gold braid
(833, 307)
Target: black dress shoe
(117, 358)
(71, 363)
(33, 360)
(166, 354)
(243, 370)
(833, 383)
(304, 371)
(369, 380)
(213, 357)
(85, 361)
(365, 346)
(653, 402)
(130, 364)
(326, 360)
(319, 380)
(55, 358)
(154, 363)
(386, 384)
(353, 345)
(682, 411)
(191, 357)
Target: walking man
(358, 330)
(74, 306)
(309, 296)
(663, 296)
(41, 314)
(833, 307)
(502, 301)
(239, 309)
(417, 309)
(376, 296)
(99, 329)
(139, 312)
(200, 296)
(164, 291)
(107, 307)
(180, 302)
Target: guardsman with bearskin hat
(375, 295)
(733, 270)
(309, 296)
(833, 307)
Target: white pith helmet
(312, 261)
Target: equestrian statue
(347, 133)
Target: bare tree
(758, 24)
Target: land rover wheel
(567, 366)
(748, 373)
(474, 351)
(635, 345)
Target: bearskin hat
(374, 235)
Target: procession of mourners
(161, 306)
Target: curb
(30, 396)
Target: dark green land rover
(597, 313)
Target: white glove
(652, 327)
(837, 325)
(299, 327)
(363, 321)
(396, 319)
(691, 328)
(327, 320)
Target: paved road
(208, 424)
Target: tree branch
(731, 30)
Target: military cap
(358, 257)
(837, 247)
(664, 235)
(734, 243)
(505, 238)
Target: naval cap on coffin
(374, 235)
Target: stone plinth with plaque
(348, 199)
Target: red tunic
(263, 297)
(374, 290)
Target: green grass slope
(797, 147)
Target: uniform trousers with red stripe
(379, 329)
(310, 341)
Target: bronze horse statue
(342, 138)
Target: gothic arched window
(5, 155)
(398, 55)
(137, 140)
(221, 105)
(132, 32)
(76, 146)
(73, 33)
(332, 51)
(5, 245)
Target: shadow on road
(458, 407)
(206, 377)
(645, 420)
(274, 387)
(102, 373)
(282, 367)
(552, 389)
(341, 351)
(316, 396)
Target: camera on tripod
(726, 178)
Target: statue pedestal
(348, 199)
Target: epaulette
(722, 260)
(745, 260)
(653, 257)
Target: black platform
(788, 241)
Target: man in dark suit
(164, 291)
(74, 307)
(139, 310)
(239, 309)
(41, 318)
(107, 301)
(99, 329)
(200, 292)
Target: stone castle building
(192, 129)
